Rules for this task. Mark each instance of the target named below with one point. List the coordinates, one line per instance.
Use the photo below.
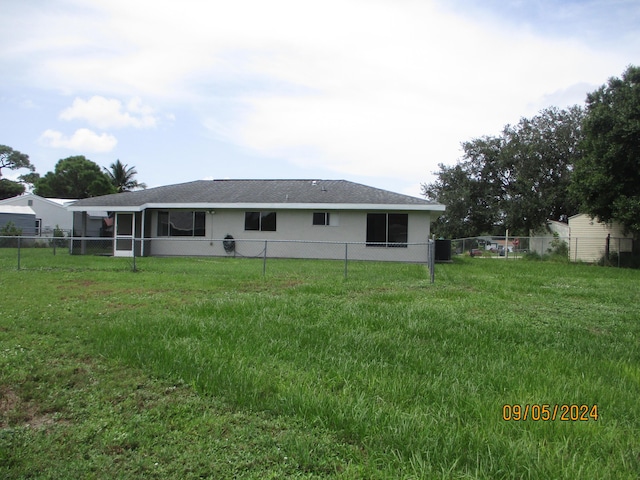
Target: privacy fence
(24, 252)
(606, 250)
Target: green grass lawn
(203, 368)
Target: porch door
(123, 245)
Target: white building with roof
(305, 218)
(589, 238)
(21, 217)
(52, 213)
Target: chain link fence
(24, 252)
(604, 250)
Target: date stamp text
(549, 413)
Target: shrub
(626, 260)
(558, 251)
(532, 256)
(9, 230)
(558, 247)
(58, 239)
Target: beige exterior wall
(588, 238)
(294, 237)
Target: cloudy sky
(373, 91)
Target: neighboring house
(23, 218)
(589, 238)
(52, 213)
(193, 218)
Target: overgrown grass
(202, 367)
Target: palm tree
(122, 177)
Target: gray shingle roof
(256, 192)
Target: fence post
(506, 245)
(18, 253)
(432, 260)
(134, 254)
(346, 257)
(264, 260)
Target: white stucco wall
(294, 237)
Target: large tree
(471, 190)
(14, 160)
(514, 181)
(123, 178)
(538, 161)
(607, 179)
(74, 177)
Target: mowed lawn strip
(202, 367)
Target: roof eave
(108, 208)
(262, 206)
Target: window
(181, 224)
(397, 232)
(252, 220)
(321, 218)
(376, 229)
(263, 221)
(387, 229)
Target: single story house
(589, 238)
(23, 218)
(299, 219)
(52, 213)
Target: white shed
(589, 238)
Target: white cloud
(374, 87)
(106, 113)
(395, 93)
(82, 140)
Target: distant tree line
(549, 167)
(73, 177)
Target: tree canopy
(9, 188)
(74, 177)
(607, 178)
(123, 178)
(514, 181)
(14, 160)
